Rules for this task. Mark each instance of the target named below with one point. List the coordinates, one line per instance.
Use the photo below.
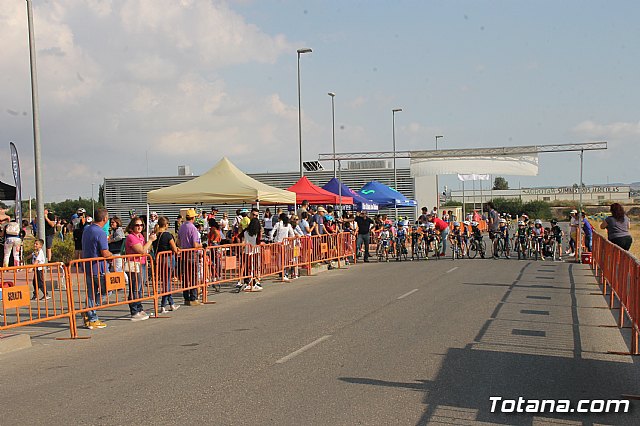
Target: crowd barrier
(47, 282)
(619, 270)
(91, 285)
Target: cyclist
(520, 239)
(538, 236)
(430, 236)
(401, 239)
(466, 235)
(557, 234)
(455, 238)
(476, 234)
(503, 229)
(416, 240)
(385, 239)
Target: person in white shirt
(39, 258)
(280, 232)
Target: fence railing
(87, 286)
(619, 270)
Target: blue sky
(186, 82)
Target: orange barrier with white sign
(100, 283)
(226, 264)
(47, 282)
(618, 269)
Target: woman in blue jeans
(136, 267)
(166, 262)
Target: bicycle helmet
(538, 222)
(466, 222)
(456, 224)
(521, 223)
(503, 220)
(554, 222)
(81, 210)
(474, 223)
(432, 225)
(387, 226)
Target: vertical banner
(15, 166)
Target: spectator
(280, 231)
(94, 244)
(617, 226)
(494, 224)
(587, 229)
(252, 238)
(153, 220)
(304, 224)
(224, 225)
(136, 267)
(116, 235)
(189, 238)
(268, 221)
(178, 223)
(38, 278)
(303, 208)
(318, 220)
(363, 227)
(163, 243)
(423, 218)
(214, 236)
(295, 224)
(49, 231)
(78, 228)
(574, 223)
(443, 228)
(12, 242)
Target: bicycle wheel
(499, 247)
(474, 248)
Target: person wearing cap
(318, 221)
(153, 220)
(189, 238)
(364, 224)
(573, 235)
(212, 216)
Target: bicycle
(383, 250)
(401, 249)
(417, 247)
(476, 246)
(456, 249)
(520, 244)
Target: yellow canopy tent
(223, 184)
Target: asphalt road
(396, 343)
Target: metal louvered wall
(123, 194)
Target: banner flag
(15, 166)
(473, 176)
(515, 165)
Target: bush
(62, 251)
(537, 209)
(512, 206)
(515, 207)
(451, 204)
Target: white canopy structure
(223, 184)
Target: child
(38, 279)
(401, 236)
(503, 228)
(557, 234)
(520, 239)
(538, 236)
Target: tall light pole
(36, 125)
(93, 202)
(300, 52)
(395, 172)
(333, 130)
(437, 186)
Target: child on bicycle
(476, 234)
(520, 240)
(401, 238)
(557, 234)
(456, 240)
(466, 235)
(538, 236)
(503, 229)
(385, 238)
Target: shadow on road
(533, 346)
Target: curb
(14, 342)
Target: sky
(139, 87)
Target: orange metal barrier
(621, 271)
(47, 283)
(270, 259)
(296, 250)
(226, 264)
(100, 283)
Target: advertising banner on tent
(520, 165)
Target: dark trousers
(363, 239)
(38, 282)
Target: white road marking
(302, 349)
(452, 269)
(408, 294)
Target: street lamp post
(333, 130)
(93, 202)
(300, 52)
(437, 186)
(395, 172)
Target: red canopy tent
(305, 190)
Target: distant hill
(635, 186)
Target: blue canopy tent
(385, 196)
(362, 203)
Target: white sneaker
(174, 307)
(140, 316)
(286, 279)
(162, 310)
(256, 287)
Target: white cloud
(616, 130)
(121, 78)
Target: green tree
(500, 183)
